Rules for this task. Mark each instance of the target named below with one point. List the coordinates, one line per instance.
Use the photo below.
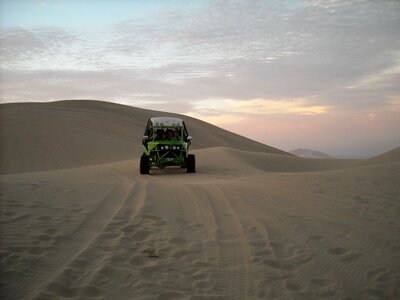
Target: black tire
(144, 164)
(191, 164)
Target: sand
(79, 222)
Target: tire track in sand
(231, 278)
(77, 242)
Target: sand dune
(250, 224)
(65, 134)
(388, 157)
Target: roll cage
(160, 128)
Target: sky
(323, 75)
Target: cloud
(278, 106)
(383, 79)
(259, 49)
(226, 111)
(46, 48)
(246, 52)
(262, 106)
(394, 103)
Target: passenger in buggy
(170, 135)
(160, 135)
(176, 135)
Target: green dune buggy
(166, 143)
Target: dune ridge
(66, 134)
(252, 223)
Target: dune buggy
(166, 143)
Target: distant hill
(310, 153)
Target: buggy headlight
(162, 147)
(173, 147)
(166, 147)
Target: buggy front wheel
(144, 164)
(191, 164)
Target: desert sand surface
(79, 222)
